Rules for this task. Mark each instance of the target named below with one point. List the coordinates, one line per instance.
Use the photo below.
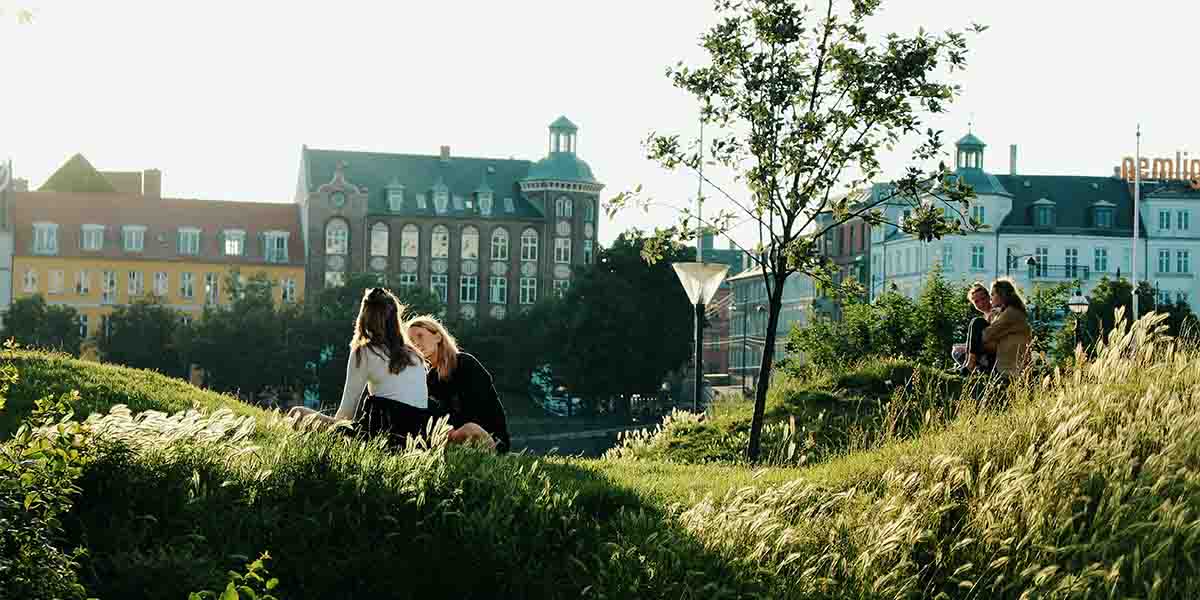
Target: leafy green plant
(251, 585)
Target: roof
(161, 217)
(1074, 198)
(126, 182)
(564, 123)
(970, 141)
(77, 175)
(419, 174)
(561, 166)
(981, 182)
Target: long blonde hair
(1005, 288)
(447, 352)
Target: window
(379, 239)
(395, 196)
(587, 252)
(408, 280)
(235, 242)
(1164, 220)
(1044, 216)
(83, 326)
(160, 284)
(509, 207)
(499, 244)
(1071, 260)
(189, 241)
(560, 287)
(948, 257)
(187, 286)
(529, 245)
(1104, 218)
(562, 207)
(421, 203)
(468, 289)
(1183, 261)
(498, 290)
(289, 290)
(977, 213)
(1042, 255)
(470, 243)
(485, 203)
(1184, 220)
(441, 198)
(1164, 261)
(277, 246)
(441, 242)
(410, 241)
(1164, 297)
(137, 284)
(562, 250)
(335, 279)
(108, 287)
(45, 238)
(31, 281)
(212, 291)
(977, 257)
(93, 237)
(1100, 264)
(83, 283)
(589, 211)
(439, 285)
(337, 237)
(528, 290)
(134, 238)
(57, 282)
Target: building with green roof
(487, 235)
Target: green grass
(1083, 485)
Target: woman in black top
(460, 385)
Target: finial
(971, 124)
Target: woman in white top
(384, 361)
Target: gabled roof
(77, 175)
(419, 174)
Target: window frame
(439, 285)
(91, 232)
(562, 251)
(530, 297)
(45, 238)
(530, 250)
(236, 236)
(498, 288)
(499, 241)
(467, 249)
(162, 284)
(379, 230)
(187, 234)
(187, 285)
(407, 244)
(980, 252)
(1183, 262)
(437, 245)
(337, 245)
(1098, 255)
(133, 232)
(468, 289)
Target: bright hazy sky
(221, 95)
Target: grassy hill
(1083, 484)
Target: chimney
(1116, 172)
(152, 183)
(445, 153)
(1012, 159)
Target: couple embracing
(412, 372)
(998, 340)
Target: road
(590, 443)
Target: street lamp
(700, 281)
(1030, 261)
(1078, 305)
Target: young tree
(943, 312)
(35, 324)
(803, 104)
(144, 335)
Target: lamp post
(700, 281)
(1078, 305)
(1030, 261)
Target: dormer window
(421, 204)
(1043, 213)
(485, 203)
(395, 197)
(459, 205)
(508, 206)
(441, 198)
(1102, 214)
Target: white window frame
(499, 244)
(162, 284)
(561, 286)
(439, 242)
(528, 290)
(91, 237)
(136, 284)
(30, 282)
(439, 284)
(1183, 261)
(486, 203)
(562, 250)
(133, 238)
(188, 241)
(469, 244)
(1042, 255)
(410, 241)
(337, 237)
(83, 282)
(1164, 261)
(395, 197)
(277, 246)
(529, 244)
(45, 238)
(468, 289)
(108, 287)
(83, 325)
(1100, 259)
(335, 279)
(1183, 220)
(979, 213)
(441, 200)
(237, 237)
(589, 211)
(563, 207)
(978, 252)
(212, 288)
(187, 285)
(408, 280)
(288, 290)
(498, 290)
(1071, 262)
(381, 237)
(1164, 220)
(56, 283)
(948, 258)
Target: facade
(717, 341)
(95, 250)
(487, 236)
(848, 246)
(1072, 227)
(748, 320)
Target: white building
(1074, 227)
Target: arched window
(562, 207)
(529, 244)
(410, 241)
(337, 237)
(589, 211)
(470, 243)
(379, 239)
(441, 242)
(500, 244)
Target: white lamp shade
(700, 280)
(1078, 304)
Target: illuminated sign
(1164, 169)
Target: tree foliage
(1100, 318)
(145, 335)
(802, 104)
(35, 324)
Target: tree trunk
(774, 307)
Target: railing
(1041, 272)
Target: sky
(222, 95)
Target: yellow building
(94, 244)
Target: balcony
(1041, 272)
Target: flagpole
(1137, 196)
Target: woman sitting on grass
(1008, 335)
(383, 361)
(461, 386)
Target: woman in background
(460, 385)
(1009, 334)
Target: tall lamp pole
(700, 281)
(1078, 305)
(1137, 195)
